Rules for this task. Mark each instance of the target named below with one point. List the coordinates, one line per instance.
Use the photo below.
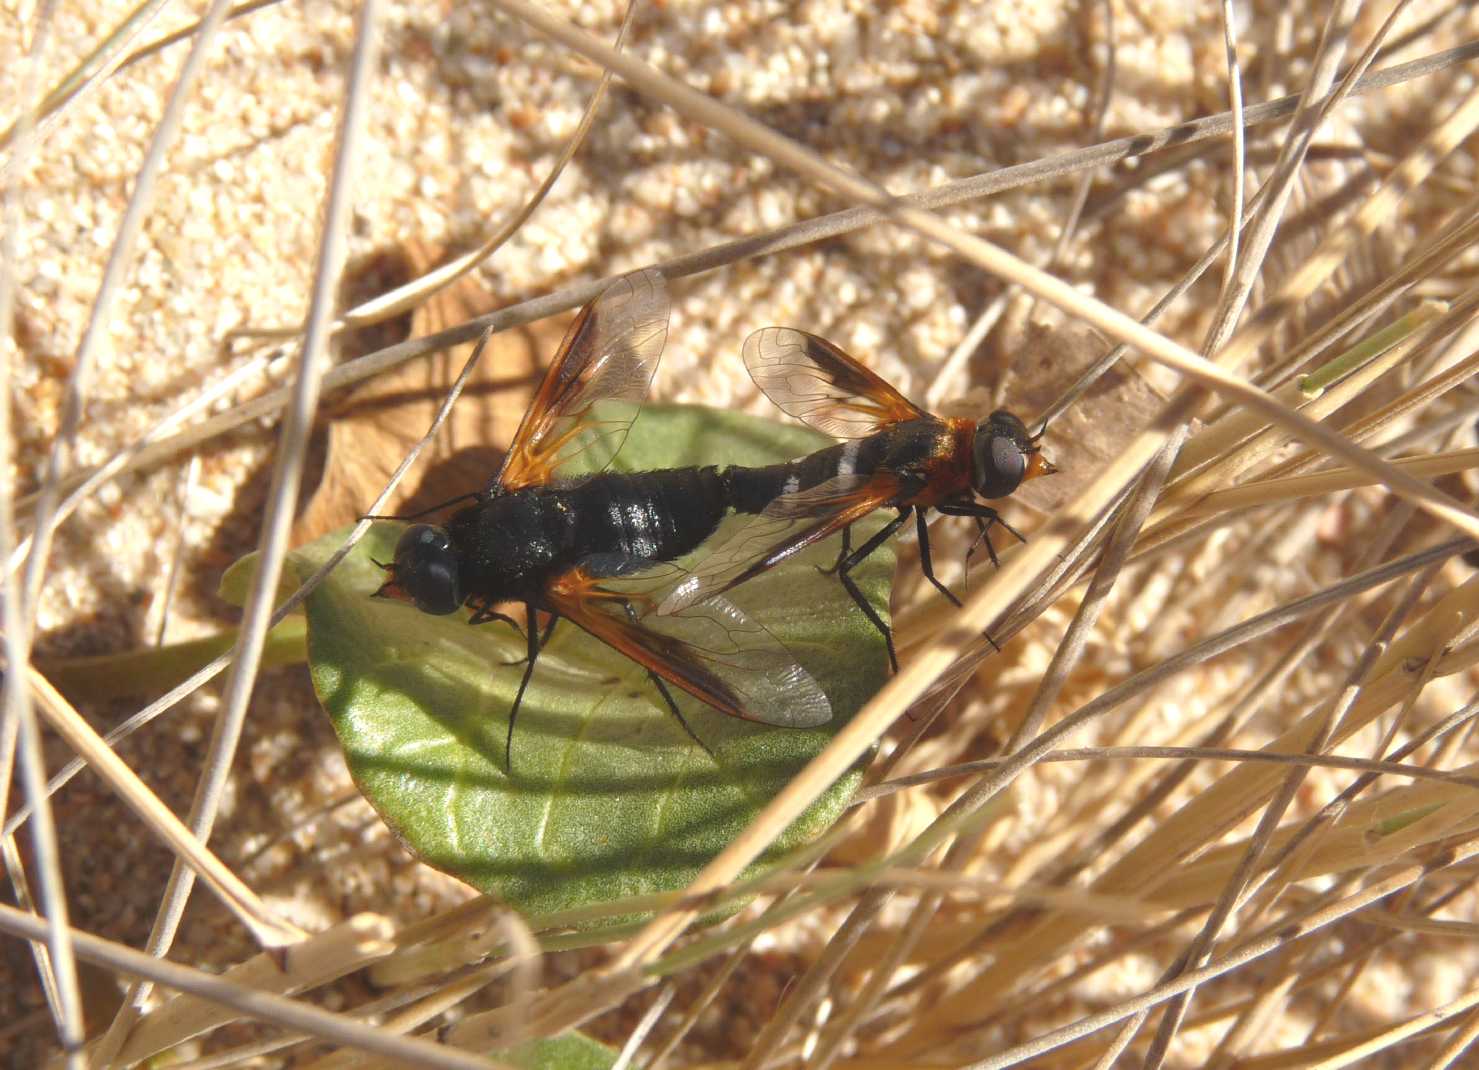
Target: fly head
(425, 571)
(1004, 456)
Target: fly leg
(985, 516)
(484, 614)
(925, 564)
(662, 689)
(549, 630)
(983, 534)
(532, 637)
(472, 495)
(841, 555)
(844, 573)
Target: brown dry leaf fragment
(1085, 438)
(373, 428)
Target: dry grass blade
(102, 474)
(1248, 445)
(1248, 952)
(1201, 756)
(1354, 1053)
(430, 281)
(92, 72)
(343, 949)
(258, 1004)
(269, 931)
(1270, 491)
(1151, 864)
(371, 431)
(54, 958)
(1237, 889)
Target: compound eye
(1000, 452)
(426, 569)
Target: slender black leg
(485, 614)
(983, 528)
(1013, 532)
(662, 689)
(925, 564)
(844, 570)
(980, 538)
(667, 695)
(842, 554)
(424, 512)
(985, 517)
(532, 636)
(985, 512)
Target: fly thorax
(508, 545)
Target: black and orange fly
(896, 456)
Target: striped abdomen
(647, 516)
(513, 545)
(923, 455)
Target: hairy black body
(511, 546)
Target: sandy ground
(467, 114)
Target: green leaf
(568, 1051)
(236, 582)
(154, 670)
(609, 797)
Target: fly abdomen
(752, 489)
(648, 516)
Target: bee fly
(897, 457)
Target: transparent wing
(787, 526)
(596, 384)
(811, 379)
(713, 650)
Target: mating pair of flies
(568, 546)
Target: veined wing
(817, 383)
(788, 525)
(713, 651)
(596, 384)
